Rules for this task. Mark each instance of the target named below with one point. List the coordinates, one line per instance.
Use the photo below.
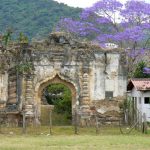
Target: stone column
(29, 104)
(29, 90)
(85, 86)
(85, 96)
(12, 87)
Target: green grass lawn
(75, 142)
(63, 138)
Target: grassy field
(75, 142)
(64, 139)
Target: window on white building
(109, 94)
(146, 100)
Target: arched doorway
(58, 98)
(54, 81)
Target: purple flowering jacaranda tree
(110, 21)
(146, 70)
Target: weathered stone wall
(107, 77)
(92, 71)
(88, 70)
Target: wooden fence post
(24, 122)
(75, 123)
(50, 121)
(144, 129)
(97, 124)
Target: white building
(139, 91)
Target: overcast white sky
(84, 3)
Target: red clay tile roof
(140, 84)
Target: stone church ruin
(96, 76)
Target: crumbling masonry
(96, 77)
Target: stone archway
(52, 80)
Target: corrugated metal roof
(140, 84)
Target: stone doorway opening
(56, 97)
(59, 95)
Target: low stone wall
(108, 110)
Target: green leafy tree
(23, 38)
(7, 37)
(60, 96)
(35, 18)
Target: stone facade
(91, 72)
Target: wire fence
(80, 124)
